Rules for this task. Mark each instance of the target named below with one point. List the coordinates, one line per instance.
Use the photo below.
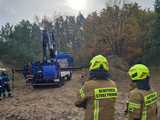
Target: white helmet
(3, 69)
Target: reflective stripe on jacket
(98, 97)
(142, 105)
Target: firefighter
(6, 80)
(142, 104)
(98, 94)
(83, 76)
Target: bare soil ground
(55, 103)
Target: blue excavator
(55, 67)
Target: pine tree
(154, 52)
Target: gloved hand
(80, 105)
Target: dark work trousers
(7, 89)
(2, 92)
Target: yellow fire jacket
(98, 98)
(142, 105)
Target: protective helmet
(98, 62)
(138, 72)
(2, 69)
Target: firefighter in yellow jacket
(98, 94)
(142, 104)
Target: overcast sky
(16, 10)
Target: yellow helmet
(138, 72)
(99, 61)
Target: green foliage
(152, 48)
(20, 44)
(123, 30)
(118, 30)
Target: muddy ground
(55, 103)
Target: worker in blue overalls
(2, 90)
(5, 79)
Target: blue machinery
(55, 67)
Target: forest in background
(125, 30)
